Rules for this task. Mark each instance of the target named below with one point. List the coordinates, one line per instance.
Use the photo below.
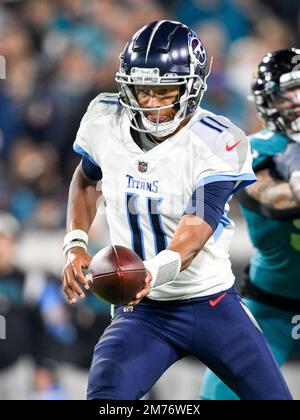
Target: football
(116, 274)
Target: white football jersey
(146, 193)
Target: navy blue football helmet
(164, 53)
(276, 74)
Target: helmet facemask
(191, 88)
(285, 119)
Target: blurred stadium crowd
(60, 54)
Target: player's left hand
(144, 292)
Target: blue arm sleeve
(208, 201)
(90, 170)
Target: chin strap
(164, 129)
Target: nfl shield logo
(142, 166)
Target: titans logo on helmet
(198, 49)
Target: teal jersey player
(272, 211)
(275, 265)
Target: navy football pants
(139, 346)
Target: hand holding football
(116, 274)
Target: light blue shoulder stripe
(246, 178)
(82, 152)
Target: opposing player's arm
(288, 166)
(271, 192)
(81, 211)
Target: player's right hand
(76, 259)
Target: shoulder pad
(225, 140)
(104, 105)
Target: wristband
(164, 267)
(74, 244)
(76, 235)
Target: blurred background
(59, 55)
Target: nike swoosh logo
(229, 148)
(216, 301)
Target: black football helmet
(277, 73)
(162, 53)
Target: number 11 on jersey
(137, 235)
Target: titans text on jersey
(139, 184)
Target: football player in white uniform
(168, 170)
